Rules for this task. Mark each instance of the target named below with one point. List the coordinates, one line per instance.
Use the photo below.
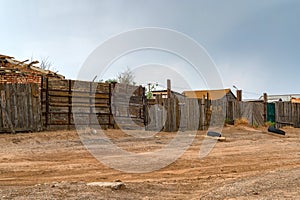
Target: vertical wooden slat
(90, 103)
(70, 103)
(182, 114)
(42, 87)
(1, 107)
(177, 115)
(25, 106)
(298, 116)
(30, 105)
(203, 114)
(19, 108)
(14, 106)
(47, 104)
(173, 114)
(110, 106)
(9, 108)
(265, 106)
(4, 108)
(144, 107)
(158, 115)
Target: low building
(164, 94)
(210, 94)
(295, 98)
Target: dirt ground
(250, 164)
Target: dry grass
(287, 127)
(241, 121)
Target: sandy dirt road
(250, 164)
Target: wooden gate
(20, 108)
(271, 112)
(287, 114)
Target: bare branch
(126, 77)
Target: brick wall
(19, 78)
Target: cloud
(237, 34)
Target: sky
(255, 45)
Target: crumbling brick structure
(13, 71)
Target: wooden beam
(168, 88)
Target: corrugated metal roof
(281, 97)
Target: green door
(271, 112)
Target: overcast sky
(254, 44)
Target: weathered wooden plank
(202, 124)
(30, 108)
(36, 108)
(77, 94)
(189, 115)
(78, 105)
(4, 108)
(14, 110)
(9, 108)
(1, 107)
(58, 83)
(20, 98)
(298, 116)
(279, 113)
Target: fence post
(169, 88)
(90, 104)
(111, 104)
(144, 102)
(239, 95)
(265, 106)
(47, 103)
(203, 115)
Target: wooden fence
(66, 103)
(175, 114)
(62, 104)
(198, 114)
(128, 104)
(20, 108)
(287, 114)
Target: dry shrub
(287, 127)
(241, 121)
